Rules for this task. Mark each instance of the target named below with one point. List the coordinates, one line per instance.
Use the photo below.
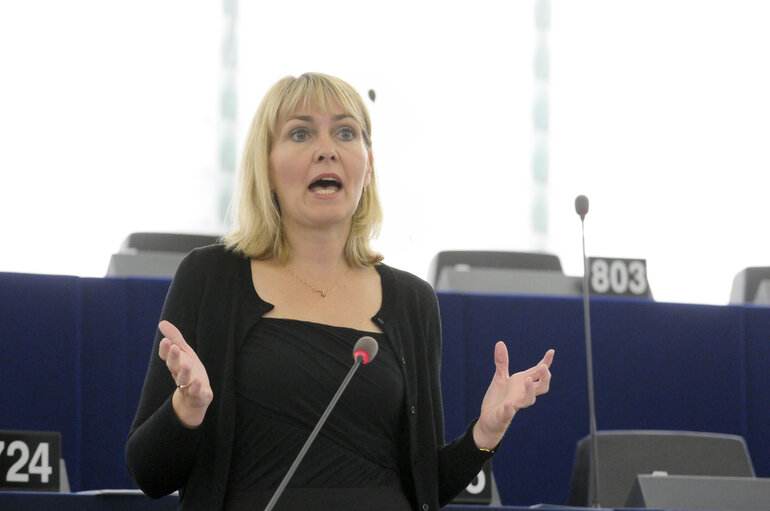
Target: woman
(256, 335)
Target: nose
(325, 150)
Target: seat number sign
(618, 277)
(29, 460)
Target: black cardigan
(213, 303)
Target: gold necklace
(320, 291)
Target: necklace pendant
(323, 293)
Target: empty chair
(165, 242)
(624, 454)
(751, 285)
(492, 259)
(533, 273)
(154, 254)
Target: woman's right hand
(193, 394)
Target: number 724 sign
(29, 460)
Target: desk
(76, 502)
(74, 353)
(19, 501)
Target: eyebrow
(309, 118)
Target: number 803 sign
(29, 460)
(618, 277)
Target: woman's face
(319, 165)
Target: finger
(540, 374)
(548, 358)
(173, 334)
(525, 398)
(163, 349)
(520, 393)
(174, 362)
(541, 370)
(184, 380)
(184, 375)
(192, 388)
(542, 366)
(529, 392)
(543, 383)
(501, 360)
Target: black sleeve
(160, 450)
(460, 461)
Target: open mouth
(325, 185)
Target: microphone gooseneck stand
(581, 207)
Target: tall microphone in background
(364, 352)
(581, 208)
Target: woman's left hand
(508, 394)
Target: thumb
(173, 334)
(501, 360)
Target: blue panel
(74, 502)
(534, 463)
(120, 317)
(39, 365)
(105, 378)
(656, 365)
(145, 303)
(453, 384)
(73, 354)
(757, 334)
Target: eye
(347, 133)
(299, 134)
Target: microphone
(366, 348)
(581, 208)
(364, 352)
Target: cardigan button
(403, 361)
(425, 507)
(412, 410)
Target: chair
(751, 285)
(154, 254)
(623, 455)
(492, 259)
(528, 273)
(165, 242)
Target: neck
(317, 251)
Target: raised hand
(508, 394)
(193, 394)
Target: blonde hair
(259, 232)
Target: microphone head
(581, 205)
(366, 348)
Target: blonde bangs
(323, 92)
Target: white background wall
(659, 113)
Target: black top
(213, 303)
(286, 374)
